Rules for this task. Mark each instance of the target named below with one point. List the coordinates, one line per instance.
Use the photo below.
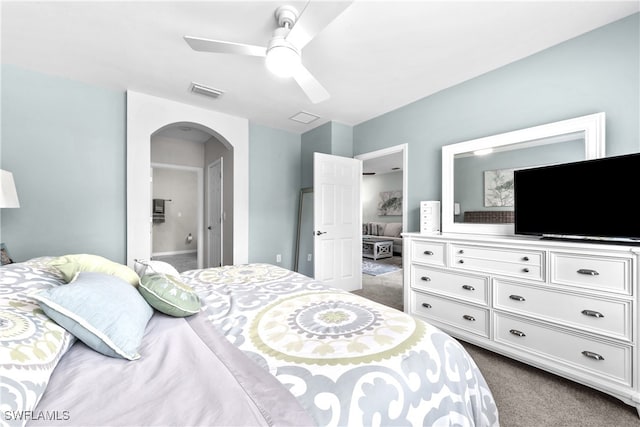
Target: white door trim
(200, 198)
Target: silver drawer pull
(468, 288)
(428, 253)
(592, 355)
(469, 318)
(526, 258)
(516, 297)
(425, 278)
(526, 270)
(588, 272)
(592, 313)
(426, 305)
(517, 333)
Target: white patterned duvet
(347, 360)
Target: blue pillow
(103, 311)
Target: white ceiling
(373, 58)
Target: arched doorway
(147, 114)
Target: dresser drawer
(609, 361)
(528, 257)
(510, 262)
(463, 316)
(592, 271)
(457, 285)
(428, 252)
(610, 317)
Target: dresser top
(595, 245)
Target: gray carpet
(386, 288)
(526, 396)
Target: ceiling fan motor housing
(286, 16)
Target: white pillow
(146, 266)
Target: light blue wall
(341, 139)
(317, 140)
(330, 138)
(598, 71)
(274, 177)
(64, 141)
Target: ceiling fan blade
(218, 46)
(315, 16)
(312, 87)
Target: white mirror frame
(592, 125)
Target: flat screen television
(591, 199)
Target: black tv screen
(593, 199)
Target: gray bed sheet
(188, 375)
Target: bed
(267, 346)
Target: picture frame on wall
(390, 203)
(498, 188)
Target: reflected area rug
(373, 268)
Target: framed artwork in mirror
(498, 188)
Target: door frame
(401, 148)
(219, 160)
(200, 198)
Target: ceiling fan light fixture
(282, 60)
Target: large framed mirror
(477, 175)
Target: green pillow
(169, 295)
(70, 265)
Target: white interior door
(337, 221)
(214, 226)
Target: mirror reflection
(483, 179)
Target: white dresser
(569, 308)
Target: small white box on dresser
(429, 217)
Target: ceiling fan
(283, 52)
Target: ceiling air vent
(304, 117)
(205, 90)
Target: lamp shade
(8, 194)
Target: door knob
(318, 233)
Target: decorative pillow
(146, 266)
(70, 265)
(101, 310)
(393, 229)
(31, 344)
(169, 295)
